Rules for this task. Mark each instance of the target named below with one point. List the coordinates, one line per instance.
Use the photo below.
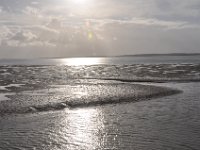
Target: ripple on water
(170, 122)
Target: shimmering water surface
(100, 105)
(163, 59)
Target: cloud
(24, 36)
(146, 22)
(1, 10)
(31, 11)
(63, 28)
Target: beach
(170, 122)
(101, 106)
(99, 75)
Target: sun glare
(81, 61)
(80, 2)
(81, 8)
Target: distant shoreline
(131, 55)
(134, 55)
(167, 54)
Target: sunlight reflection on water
(82, 61)
(104, 60)
(82, 128)
(162, 123)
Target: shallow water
(171, 122)
(148, 59)
(40, 88)
(101, 106)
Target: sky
(77, 28)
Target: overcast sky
(68, 28)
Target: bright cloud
(60, 28)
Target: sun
(80, 8)
(80, 2)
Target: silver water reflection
(105, 60)
(171, 123)
(82, 128)
(82, 61)
(67, 129)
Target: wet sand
(100, 107)
(57, 97)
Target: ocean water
(100, 103)
(162, 59)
